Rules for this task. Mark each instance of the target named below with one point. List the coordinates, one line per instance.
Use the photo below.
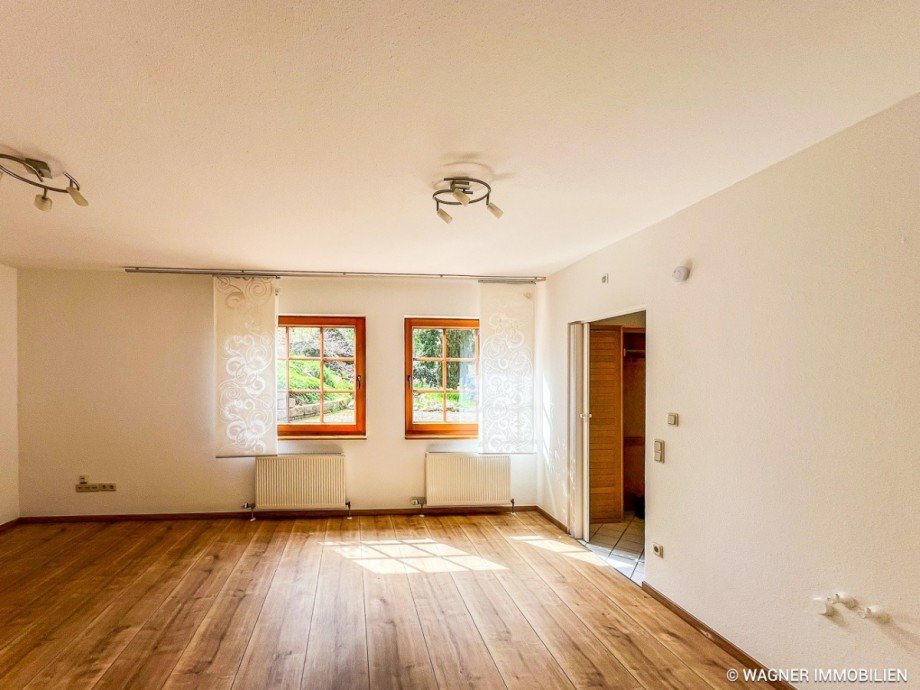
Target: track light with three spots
(29, 168)
(463, 191)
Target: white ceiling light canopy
(41, 171)
(463, 191)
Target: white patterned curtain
(506, 360)
(245, 318)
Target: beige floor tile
(604, 539)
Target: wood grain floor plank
(212, 658)
(708, 660)
(396, 647)
(22, 606)
(277, 649)
(26, 547)
(458, 653)
(85, 659)
(585, 660)
(480, 601)
(337, 652)
(650, 662)
(80, 601)
(38, 559)
(153, 652)
(520, 655)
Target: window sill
(324, 437)
(442, 437)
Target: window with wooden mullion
(329, 358)
(441, 377)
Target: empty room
(405, 344)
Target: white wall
(117, 379)
(387, 469)
(793, 358)
(9, 424)
(634, 320)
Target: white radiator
(467, 479)
(288, 482)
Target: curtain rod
(325, 274)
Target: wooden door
(606, 436)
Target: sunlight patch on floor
(406, 556)
(576, 551)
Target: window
(442, 377)
(320, 376)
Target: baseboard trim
(746, 660)
(45, 519)
(549, 517)
(10, 525)
(275, 514)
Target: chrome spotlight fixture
(41, 171)
(463, 191)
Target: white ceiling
(307, 135)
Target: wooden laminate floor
(486, 602)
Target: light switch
(672, 418)
(659, 450)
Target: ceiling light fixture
(42, 173)
(463, 191)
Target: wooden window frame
(359, 428)
(447, 429)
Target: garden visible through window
(442, 371)
(320, 371)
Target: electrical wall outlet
(85, 487)
(658, 550)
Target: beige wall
(634, 320)
(117, 383)
(793, 357)
(9, 425)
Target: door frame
(579, 414)
(578, 427)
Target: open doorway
(615, 445)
